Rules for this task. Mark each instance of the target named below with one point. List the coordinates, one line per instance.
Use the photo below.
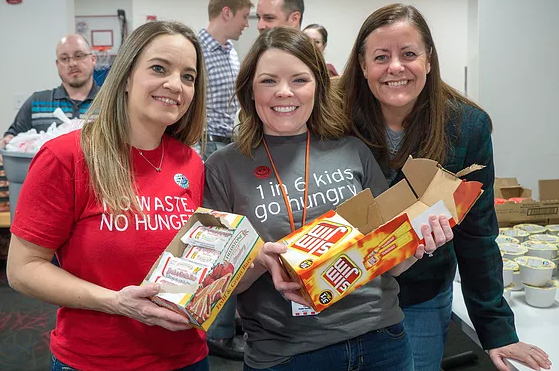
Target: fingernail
(433, 217)
(443, 217)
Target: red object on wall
(151, 18)
(14, 1)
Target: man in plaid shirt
(228, 19)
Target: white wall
(448, 21)
(193, 13)
(28, 35)
(518, 86)
(473, 50)
(104, 7)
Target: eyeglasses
(78, 57)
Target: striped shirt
(37, 111)
(222, 64)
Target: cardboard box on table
(391, 224)
(545, 211)
(201, 303)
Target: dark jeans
(224, 325)
(387, 349)
(427, 323)
(202, 365)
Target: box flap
(549, 189)
(509, 187)
(393, 201)
(361, 211)
(442, 187)
(419, 172)
(506, 182)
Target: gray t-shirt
(337, 171)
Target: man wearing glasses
(75, 64)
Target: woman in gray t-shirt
(289, 165)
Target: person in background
(228, 19)
(320, 37)
(75, 64)
(275, 13)
(399, 105)
(94, 197)
(291, 130)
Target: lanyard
(285, 199)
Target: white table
(537, 326)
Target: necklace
(157, 168)
(393, 145)
(285, 198)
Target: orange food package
(330, 258)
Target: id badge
(298, 310)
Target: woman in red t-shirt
(107, 200)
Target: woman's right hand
(269, 257)
(134, 302)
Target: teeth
(284, 109)
(397, 83)
(166, 100)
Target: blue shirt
(37, 111)
(222, 64)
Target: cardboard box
(391, 224)
(201, 303)
(545, 211)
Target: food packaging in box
(391, 224)
(202, 300)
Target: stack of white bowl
(531, 228)
(552, 229)
(517, 233)
(509, 268)
(512, 251)
(535, 273)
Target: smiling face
(160, 87)
(270, 14)
(284, 92)
(396, 64)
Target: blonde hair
(105, 137)
(325, 120)
(215, 6)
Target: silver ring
(430, 254)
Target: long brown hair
(105, 137)
(325, 120)
(437, 103)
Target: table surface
(536, 326)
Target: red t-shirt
(57, 210)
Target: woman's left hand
(528, 354)
(440, 235)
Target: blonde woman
(107, 201)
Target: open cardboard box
(545, 211)
(201, 303)
(391, 224)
